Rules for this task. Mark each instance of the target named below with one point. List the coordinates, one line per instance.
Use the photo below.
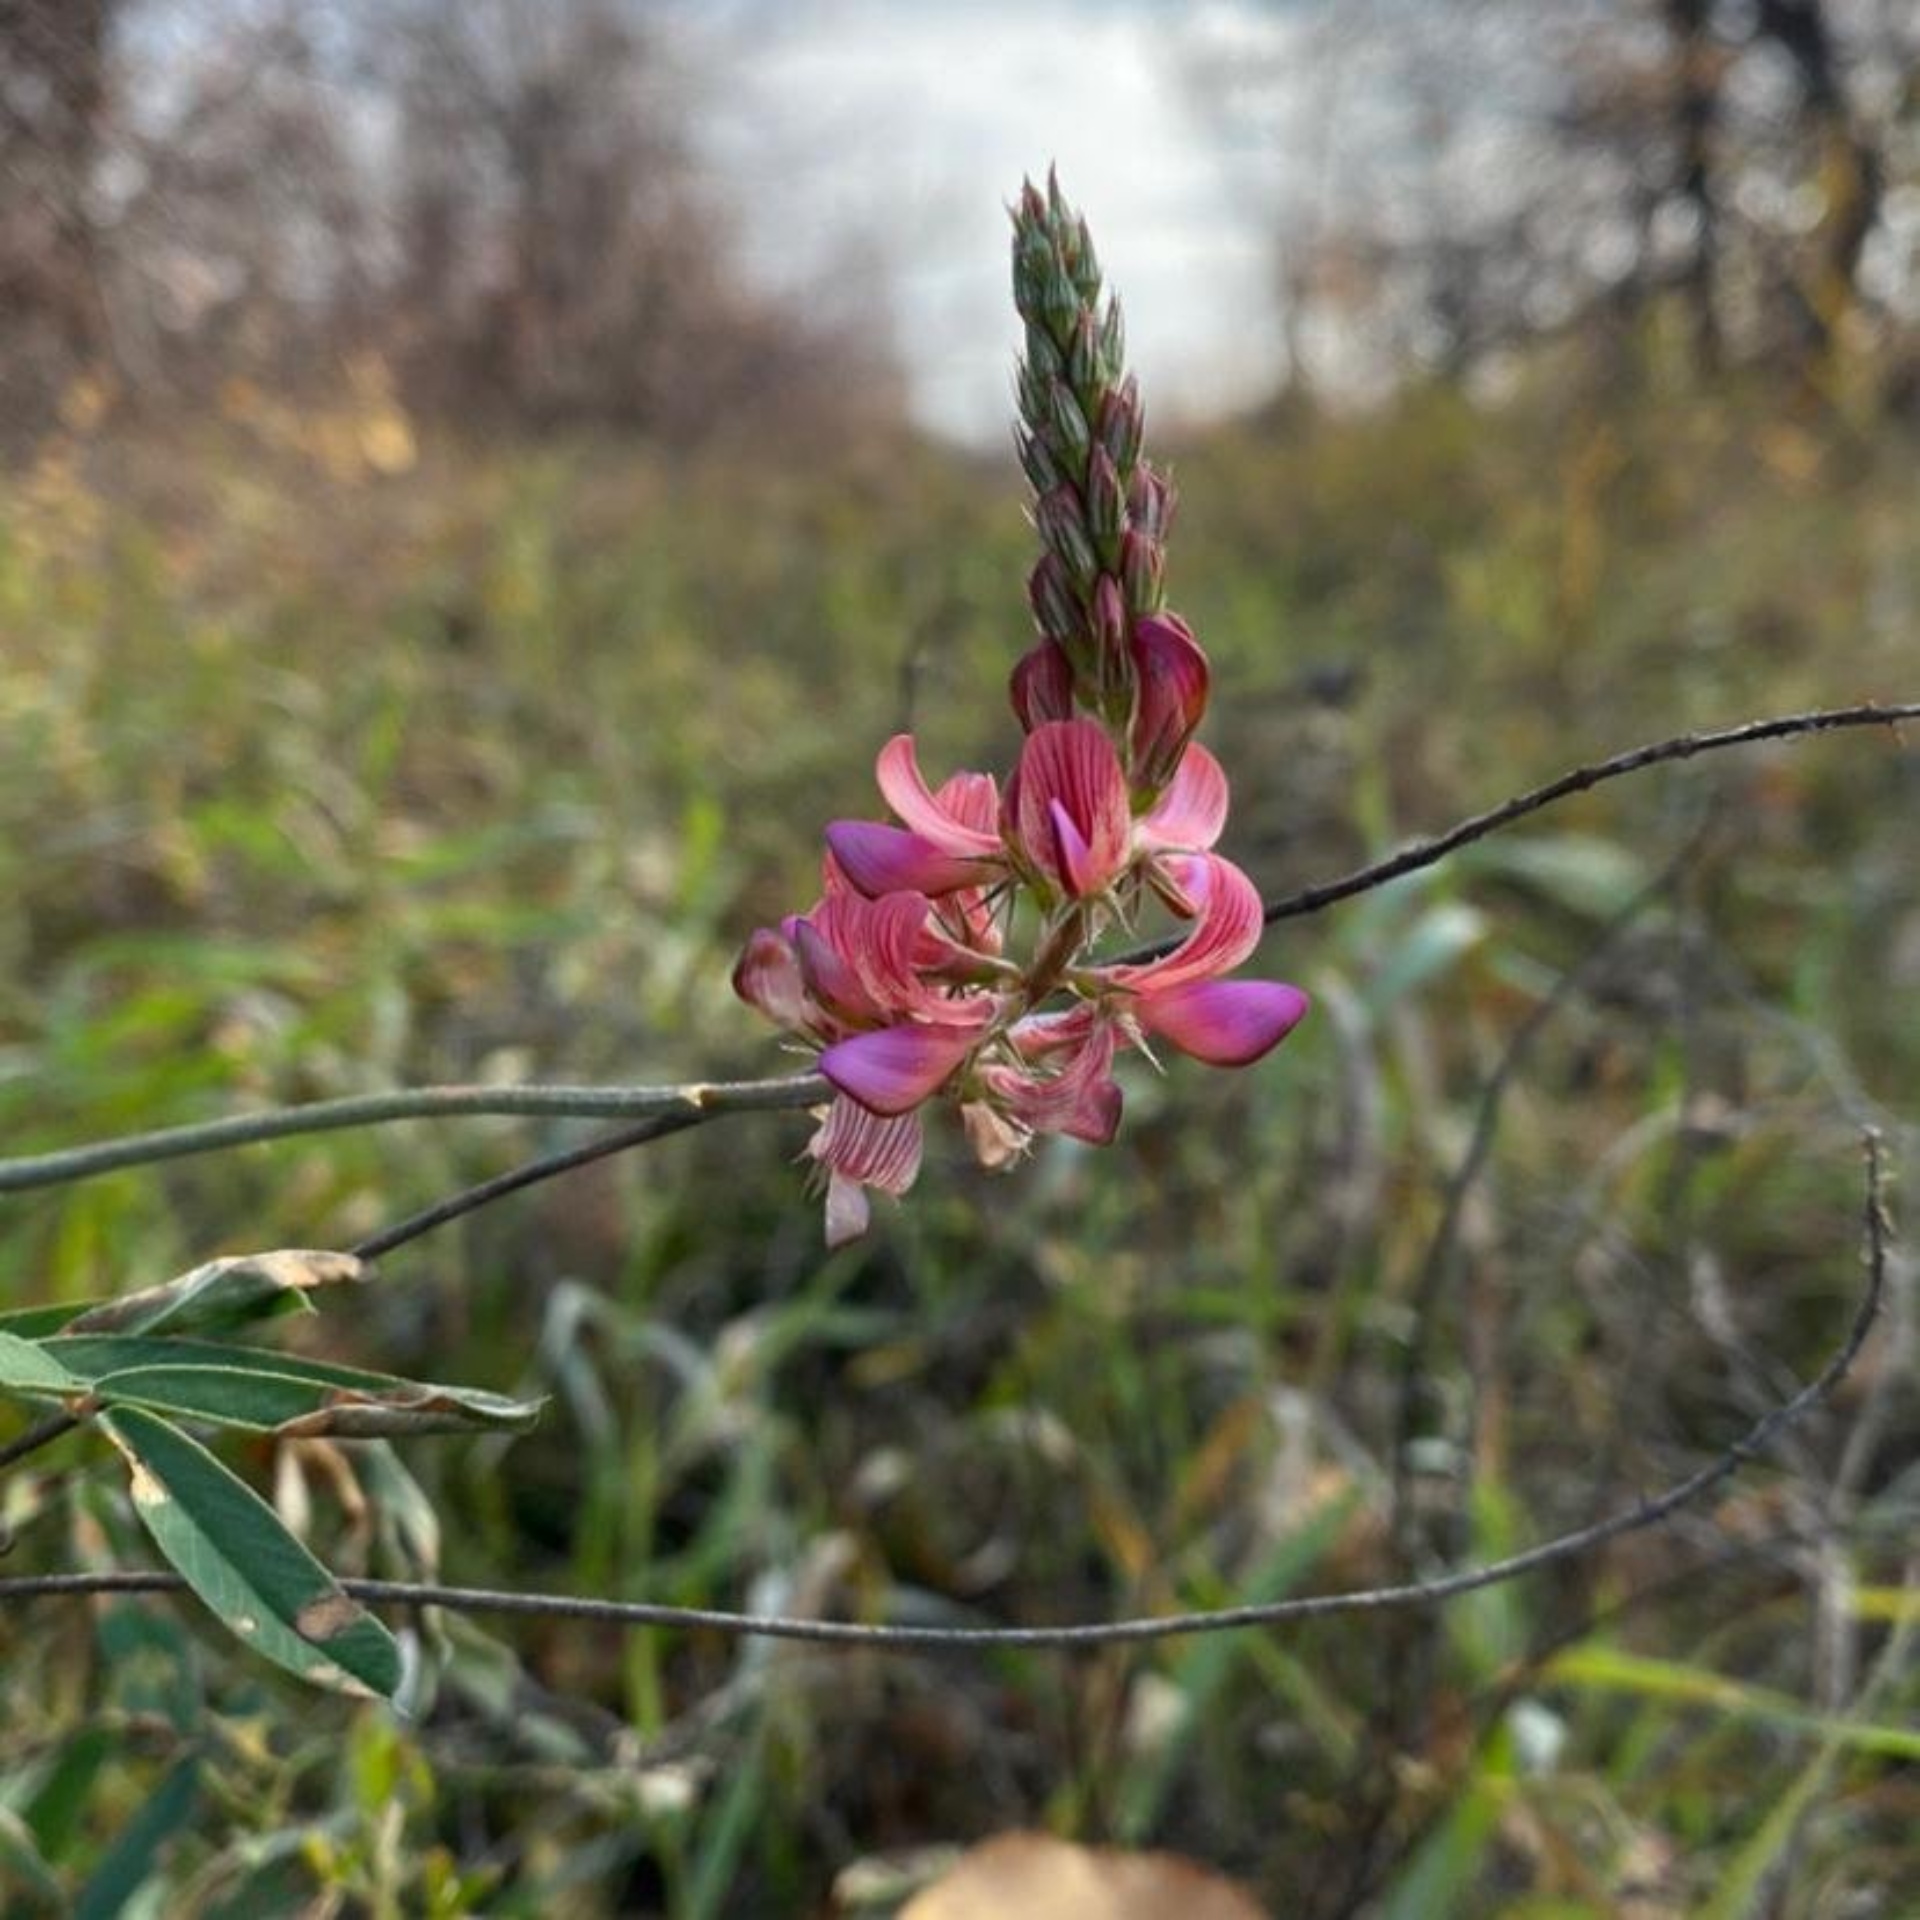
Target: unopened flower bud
(1062, 521)
(1083, 354)
(1057, 608)
(1106, 503)
(1171, 680)
(1109, 621)
(1072, 434)
(1150, 501)
(1042, 686)
(1044, 359)
(1083, 263)
(1113, 338)
(1143, 565)
(1037, 461)
(1119, 425)
(1030, 390)
(1059, 298)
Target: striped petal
(1227, 929)
(959, 819)
(1069, 772)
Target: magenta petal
(1075, 858)
(880, 859)
(893, 1070)
(1226, 1023)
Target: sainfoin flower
(900, 974)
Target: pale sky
(897, 133)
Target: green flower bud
(1072, 437)
(1062, 521)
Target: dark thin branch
(43, 1433)
(529, 1173)
(1567, 1546)
(1424, 853)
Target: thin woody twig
(638, 1613)
(692, 1102)
(1685, 746)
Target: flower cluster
(902, 974)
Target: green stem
(412, 1103)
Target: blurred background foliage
(440, 602)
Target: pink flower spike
(1188, 817)
(1226, 1023)
(892, 1070)
(880, 859)
(960, 819)
(1069, 768)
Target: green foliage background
(329, 763)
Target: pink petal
(953, 828)
(1173, 680)
(1188, 817)
(1227, 1023)
(829, 978)
(885, 941)
(880, 859)
(891, 1071)
(767, 976)
(972, 801)
(1227, 930)
(1072, 765)
(864, 1147)
(1081, 1099)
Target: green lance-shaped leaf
(281, 1403)
(27, 1367)
(232, 1550)
(224, 1293)
(281, 1393)
(35, 1323)
(209, 1299)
